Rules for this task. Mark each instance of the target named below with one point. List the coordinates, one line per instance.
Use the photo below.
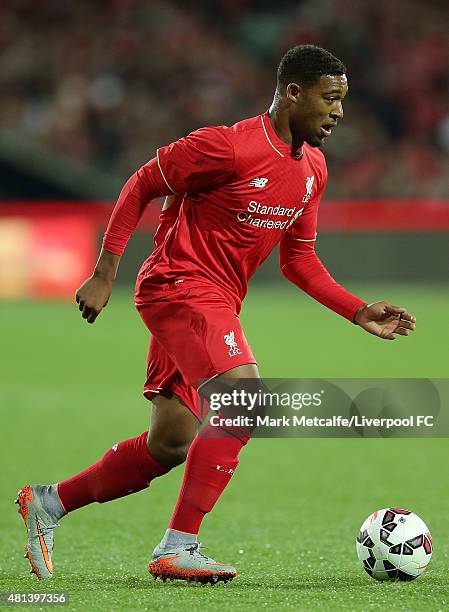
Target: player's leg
(199, 328)
(212, 460)
(129, 466)
(172, 429)
(126, 468)
(211, 463)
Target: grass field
(289, 518)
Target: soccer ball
(394, 544)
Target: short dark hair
(306, 64)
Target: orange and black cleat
(40, 526)
(188, 563)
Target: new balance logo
(258, 182)
(230, 341)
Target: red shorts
(195, 336)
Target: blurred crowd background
(103, 84)
(90, 89)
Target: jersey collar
(282, 148)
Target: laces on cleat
(195, 548)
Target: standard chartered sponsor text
(291, 214)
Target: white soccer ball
(394, 544)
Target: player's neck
(280, 120)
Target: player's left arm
(385, 320)
(301, 265)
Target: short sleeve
(203, 159)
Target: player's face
(318, 109)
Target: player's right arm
(144, 185)
(203, 159)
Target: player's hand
(385, 320)
(93, 296)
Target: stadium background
(89, 90)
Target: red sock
(126, 468)
(211, 462)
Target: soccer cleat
(40, 525)
(188, 563)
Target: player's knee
(174, 454)
(238, 403)
(169, 453)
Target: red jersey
(239, 192)
(243, 192)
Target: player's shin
(211, 463)
(213, 456)
(126, 468)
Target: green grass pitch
(289, 518)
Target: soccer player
(234, 194)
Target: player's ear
(294, 92)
